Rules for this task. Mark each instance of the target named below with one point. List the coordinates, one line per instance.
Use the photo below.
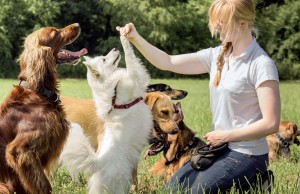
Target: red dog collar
(125, 106)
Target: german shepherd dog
(177, 148)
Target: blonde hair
(229, 12)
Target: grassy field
(197, 117)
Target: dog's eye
(103, 60)
(165, 112)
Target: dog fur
(83, 111)
(178, 151)
(33, 128)
(125, 131)
(288, 131)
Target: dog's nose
(77, 25)
(175, 131)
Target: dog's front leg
(27, 166)
(134, 66)
(130, 59)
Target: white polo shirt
(234, 103)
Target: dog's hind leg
(26, 164)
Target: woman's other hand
(216, 138)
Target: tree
(171, 25)
(17, 19)
(279, 35)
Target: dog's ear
(36, 62)
(150, 99)
(180, 113)
(293, 127)
(178, 104)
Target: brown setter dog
(33, 128)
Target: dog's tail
(78, 154)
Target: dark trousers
(232, 168)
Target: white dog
(127, 119)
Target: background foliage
(175, 26)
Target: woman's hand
(217, 138)
(129, 31)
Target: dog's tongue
(77, 53)
(155, 149)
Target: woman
(244, 96)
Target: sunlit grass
(198, 117)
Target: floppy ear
(150, 99)
(293, 127)
(37, 63)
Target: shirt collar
(246, 53)
(249, 50)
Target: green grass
(197, 117)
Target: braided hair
(220, 63)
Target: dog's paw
(125, 42)
(123, 39)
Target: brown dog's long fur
(33, 128)
(289, 132)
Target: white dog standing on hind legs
(127, 119)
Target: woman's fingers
(121, 30)
(124, 30)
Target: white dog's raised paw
(125, 42)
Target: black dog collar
(285, 143)
(47, 93)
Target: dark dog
(177, 148)
(279, 143)
(33, 128)
(174, 94)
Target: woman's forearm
(184, 64)
(253, 131)
(155, 56)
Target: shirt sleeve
(264, 69)
(206, 57)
